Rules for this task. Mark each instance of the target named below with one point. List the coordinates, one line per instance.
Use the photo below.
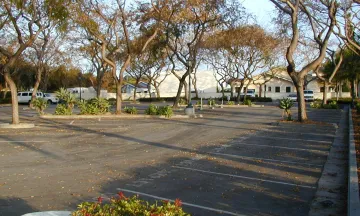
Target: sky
(262, 9)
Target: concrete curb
(353, 183)
(123, 116)
(16, 126)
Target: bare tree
(113, 29)
(318, 17)
(21, 24)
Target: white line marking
(184, 203)
(21, 141)
(283, 138)
(281, 147)
(256, 158)
(72, 122)
(244, 177)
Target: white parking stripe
(294, 139)
(21, 141)
(281, 147)
(184, 203)
(244, 177)
(264, 159)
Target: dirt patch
(356, 123)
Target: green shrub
(130, 110)
(182, 101)
(165, 111)
(315, 105)
(331, 105)
(94, 106)
(151, 110)
(40, 105)
(230, 103)
(247, 102)
(341, 100)
(211, 102)
(67, 97)
(130, 206)
(5, 101)
(357, 106)
(162, 99)
(198, 103)
(286, 105)
(62, 109)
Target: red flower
(178, 203)
(121, 195)
(100, 199)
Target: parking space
(231, 162)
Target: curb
(353, 183)
(16, 126)
(123, 116)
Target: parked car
(25, 97)
(50, 98)
(292, 97)
(249, 93)
(309, 95)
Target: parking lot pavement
(231, 162)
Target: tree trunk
(157, 88)
(239, 92)
(136, 84)
(232, 90)
(36, 86)
(222, 90)
(177, 98)
(195, 86)
(246, 88)
(260, 90)
(186, 91)
(118, 98)
(14, 100)
(98, 89)
(45, 80)
(325, 93)
(302, 116)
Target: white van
(309, 95)
(25, 97)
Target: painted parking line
(264, 159)
(281, 147)
(243, 177)
(183, 203)
(293, 139)
(22, 141)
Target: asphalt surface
(233, 161)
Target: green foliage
(211, 101)
(357, 106)
(166, 111)
(62, 109)
(315, 105)
(130, 110)
(67, 97)
(286, 104)
(112, 101)
(347, 100)
(319, 105)
(40, 105)
(182, 101)
(230, 103)
(248, 102)
(198, 103)
(129, 206)
(5, 101)
(151, 110)
(93, 106)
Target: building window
(288, 89)
(277, 89)
(321, 89)
(269, 89)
